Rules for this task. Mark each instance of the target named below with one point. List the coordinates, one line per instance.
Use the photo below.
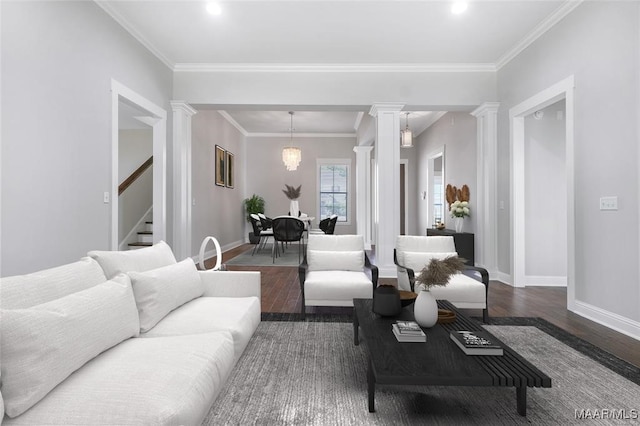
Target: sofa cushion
(320, 260)
(140, 260)
(430, 244)
(336, 286)
(160, 291)
(23, 291)
(418, 260)
(44, 344)
(238, 315)
(163, 381)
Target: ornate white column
(486, 210)
(363, 192)
(388, 183)
(182, 114)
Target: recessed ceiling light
(459, 7)
(214, 8)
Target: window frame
(332, 162)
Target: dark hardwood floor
(281, 294)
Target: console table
(464, 242)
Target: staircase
(145, 237)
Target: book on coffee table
(476, 343)
(408, 336)
(409, 327)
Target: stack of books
(408, 331)
(476, 343)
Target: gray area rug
(310, 373)
(263, 257)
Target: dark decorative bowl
(407, 297)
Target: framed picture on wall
(220, 165)
(230, 168)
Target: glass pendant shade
(406, 139)
(291, 157)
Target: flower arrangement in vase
(458, 200)
(293, 194)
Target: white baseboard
(502, 277)
(613, 321)
(545, 281)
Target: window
(333, 183)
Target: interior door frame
(157, 119)
(561, 90)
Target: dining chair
(287, 229)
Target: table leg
(371, 388)
(521, 397)
(356, 326)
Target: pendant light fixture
(406, 137)
(291, 155)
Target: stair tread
(141, 244)
(146, 232)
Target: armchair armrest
(410, 273)
(373, 268)
(484, 278)
(230, 283)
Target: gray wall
(456, 131)
(218, 211)
(545, 194)
(598, 43)
(266, 174)
(58, 59)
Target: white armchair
(333, 271)
(465, 290)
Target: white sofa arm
(230, 283)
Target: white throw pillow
(417, 260)
(140, 260)
(42, 345)
(162, 290)
(320, 260)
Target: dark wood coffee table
(438, 362)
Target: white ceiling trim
(246, 67)
(538, 31)
(131, 30)
(359, 118)
(302, 135)
(234, 123)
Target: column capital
(362, 148)
(184, 107)
(385, 107)
(485, 108)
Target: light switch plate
(608, 203)
(106, 198)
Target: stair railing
(135, 175)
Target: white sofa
(122, 338)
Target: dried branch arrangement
(460, 194)
(291, 192)
(438, 272)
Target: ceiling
(352, 33)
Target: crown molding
(359, 118)
(538, 31)
(233, 122)
(301, 135)
(136, 34)
(255, 67)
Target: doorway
(435, 186)
(563, 90)
(156, 118)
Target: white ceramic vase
(425, 309)
(294, 208)
(458, 221)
